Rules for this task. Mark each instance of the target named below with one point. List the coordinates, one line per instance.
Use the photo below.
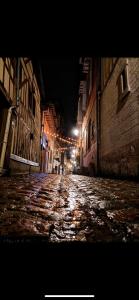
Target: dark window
(14, 63)
(123, 85)
(18, 72)
(31, 102)
(123, 80)
(30, 99)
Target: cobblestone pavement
(69, 208)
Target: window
(18, 70)
(31, 102)
(123, 84)
(30, 99)
(123, 80)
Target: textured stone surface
(69, 208)
(119, 140)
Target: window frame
(123, 76)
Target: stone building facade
(119, 117)
(20, 119)
(108, 118)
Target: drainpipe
(5, 140)
(12, 143)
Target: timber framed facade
(20, 116)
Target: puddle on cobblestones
(69, 208)
(72, 200)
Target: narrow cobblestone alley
(69, 208)
(69, 172)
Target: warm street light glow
(74, 151)
(75, 131)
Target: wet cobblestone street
(69, 208)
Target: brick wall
(119, 139)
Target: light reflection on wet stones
(69, 208)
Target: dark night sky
(61, 79)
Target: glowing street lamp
(74, 151)
(75, 131)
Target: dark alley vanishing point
(69, 208)
(69, 148)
